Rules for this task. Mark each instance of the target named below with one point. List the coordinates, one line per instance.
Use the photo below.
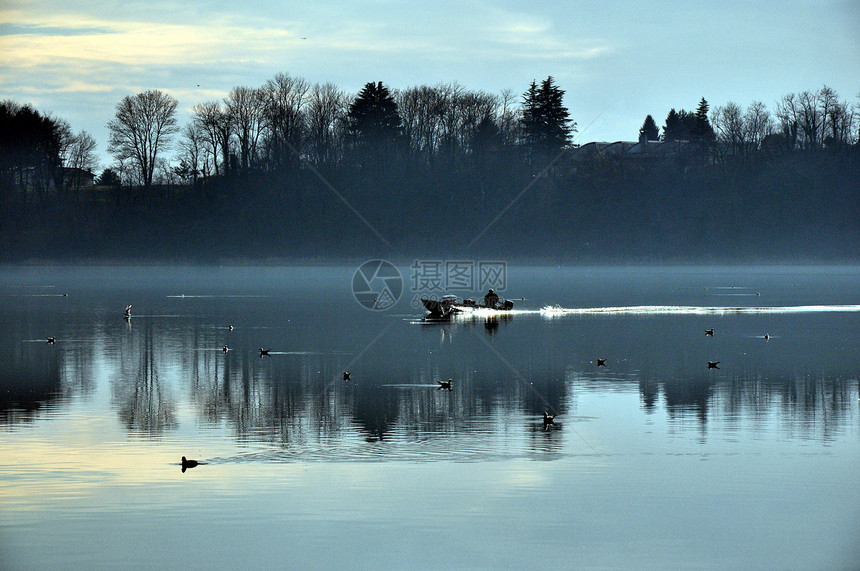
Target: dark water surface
(654, 461)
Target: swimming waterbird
(445, 385)
(188, 464)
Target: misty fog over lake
(653, 458)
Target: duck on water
(186, 464)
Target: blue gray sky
(617, 60)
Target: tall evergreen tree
(703, 132)
(373, 117)
(650, 130)
(680, 126)
(546, 122)
(670, 128)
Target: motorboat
(448, 305)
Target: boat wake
(555, 311)
(213, 296)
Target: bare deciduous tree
(285, 98)
(728, 122)
(788, 114)
(244, 110)
(445, 120)
(192, 162)
(213, 126)
(142, 128)
(326, 114)
(80, 155)
(811, 119)
(421, 116)
(742, 132)
(839, 124)
(509, 115)
(82, 152)
(758, 124)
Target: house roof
(630, 149)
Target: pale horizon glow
(617, 62)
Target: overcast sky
(617, 61)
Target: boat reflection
(447, 325)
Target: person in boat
(491, 300)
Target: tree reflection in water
(29, 382)
(506, 372)
(297, 400)
(143, 400)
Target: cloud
(82, 39)
(63, 50)
(528, 37)
(86, 87)
(78, 60)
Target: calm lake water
(654, 461)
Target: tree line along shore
(295, 170)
